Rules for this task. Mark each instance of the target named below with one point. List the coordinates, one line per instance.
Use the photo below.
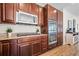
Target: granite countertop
(16, 37)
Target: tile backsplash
(19, 28)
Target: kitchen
(28, 29)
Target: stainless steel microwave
(26, 18)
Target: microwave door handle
(33, 20)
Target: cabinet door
(40, 17)
(60, 28)
(0, 12)
(0, 49)
(44, 43)
(9, 12)
(44, 46)
(52, 13)
(36, 47)
(24, 49)
(34, 9)
(5, 49)
(25, 7)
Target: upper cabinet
(34, 9)
(52, 12)
(29, 8)
(40, 16)
(0, 12)
(25, 7)
(60, 28)
(9, 13)
(60, 21)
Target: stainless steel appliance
(26, 18)
(52, 31)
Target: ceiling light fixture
(55, 11)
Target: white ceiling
(71, 7)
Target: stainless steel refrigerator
(52, 31)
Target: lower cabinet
(0, 48)
(36, 47)
(44, 43)
(4, 48)
(44, 47)
(24, 49)
(60, 39)
(27, 46)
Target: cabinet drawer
(43, 39)
(27, 39)
(5, 41)
(36, 41)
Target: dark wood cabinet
(27, 46)
(24, 49)
(60, 28)
(36, 47)
(4, 48)
(44, 43)
(0, 12)
(9, 12)
(0, 49)
(52, 12)
(34, 9)
(40, 17)
(29, 8)
(25, 7)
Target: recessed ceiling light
(55, 11)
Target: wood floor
(64, 50)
